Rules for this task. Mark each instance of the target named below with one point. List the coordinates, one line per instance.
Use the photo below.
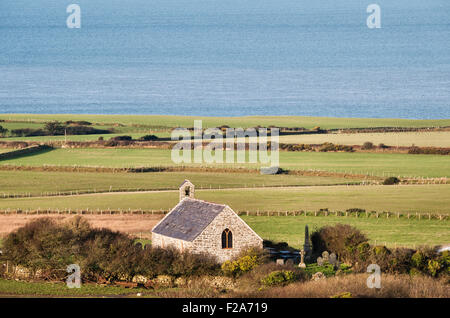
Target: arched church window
(227, 239)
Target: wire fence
(13, 195)
(351, 213)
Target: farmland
(405, 139)
(248, 121)
(414, 198)
(316, 180)
(38, 183)
(378, 164)
(394, 232)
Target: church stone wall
(210, 240)
(162, 241)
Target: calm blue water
(226, 58)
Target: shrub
(277, 278)
(101, 253)
(391, 180)
(3, 131)
(148, 138)
(188, 264)
(367, 146)
(111, 143)
(54, 128)
(382, 146)
(40, 244)
(245, 262)
(121, 138)
(85, 130)
(429, 151)
(78, 122)
(328, 146)
(341, 239)
(400, 261)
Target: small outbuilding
(204, 227)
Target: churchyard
(129, 188)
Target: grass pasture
(393, 232)
(402, 139)
(244, 122)
(411, 198)
(37, 183)
(377, 164)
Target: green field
(244, 191)
(417, 198)
(249, 121)
(403, 139)
(134, 135)
(36, 183)
(392, 232)
(377, 164)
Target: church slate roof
(188, 219)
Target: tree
(3, 131)
(54, 128)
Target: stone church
(200, 226)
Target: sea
(226, 58)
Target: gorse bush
(367, 146)
(278, 278)
(101, 253)
(391, 180)
(328, 146)
(245, 262)
(429, 151)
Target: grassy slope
(419, 198)
(402, 232)
(250, 121)
(38, 182)
(361, 163)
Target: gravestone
(302, 259)
(307, 245)
(280, 261)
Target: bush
(391, 181)
(85, 130)
(101, 253)
(148, 138)
(78, 122)
(382, 146)
(245, 262)
(328, 146)
(278, 278)
(3, 131)
(122, 138)
(429, 151)
(367, 146)
(341, 239)
(54, 128)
